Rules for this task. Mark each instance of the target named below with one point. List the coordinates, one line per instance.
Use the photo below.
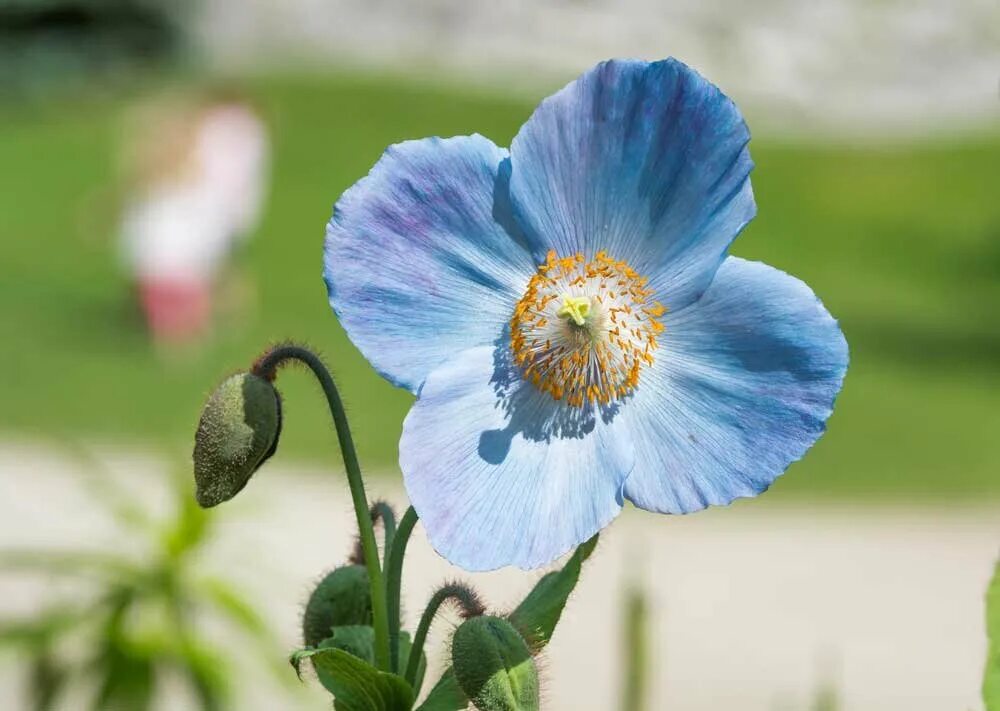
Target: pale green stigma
(574, 308)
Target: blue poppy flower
(569, 319)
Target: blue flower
(571, 323)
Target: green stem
(394, 580)
(635, 651)
(266, 368)
(382, 512)
(388, 518)
(468, 602)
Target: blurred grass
(901, 242)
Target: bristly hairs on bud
(463, 597)
(341, 597)
(238, 431)
(380, 512)
(493, 665)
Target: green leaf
(538, 614)
(991, 679)
(188, 529)
(356, 640)
(126, 680)
(355, 684)
(446, 695)
(359, 640)
(48, 677)
(41, 631)
(207, 673)
(70, 563)
(234, 606)
(241, 613)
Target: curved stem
(394, 580)
(266, 368)
(387, 516)
(470, 605)
(382, 512)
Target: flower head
(570, 321)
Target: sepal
(342, 597)
(355, 684)
(494, 666)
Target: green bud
(342, 598)
(238, 431)
(493, 665)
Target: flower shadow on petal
(503, 209)
(531, 413)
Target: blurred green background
(901, 239)
(897, 231)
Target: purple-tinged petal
(417, 267)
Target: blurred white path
(756, 607)
(842, 67)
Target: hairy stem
(394, 580)
(382, 512)
(266, 368)
(468, 603)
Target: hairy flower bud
(238, 431)
(343, 597)
(493, 665)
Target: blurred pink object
(177, 310)
(197, 192)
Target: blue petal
(416, 264)
(502, 474)
(646, 161)
(742, 385)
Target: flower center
(583, 331)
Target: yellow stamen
(584, 331)
(576, 308)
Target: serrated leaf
(991, 678)
(355, 684)
(446, 695)
(538, 614)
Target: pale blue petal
(647, 161)
(742, 385)
(417, 266)
(502, 474)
